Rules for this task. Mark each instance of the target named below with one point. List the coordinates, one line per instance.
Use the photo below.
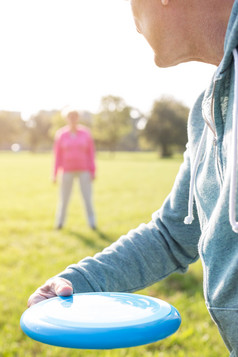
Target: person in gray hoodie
(198, 218)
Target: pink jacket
(74, 152)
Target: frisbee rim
(103, 337)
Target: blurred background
(57, 53)
(87, 54)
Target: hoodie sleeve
(146, 254)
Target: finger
(60, 286)
(42, 293)
(63, 288)
(52, 288)
(35, 298)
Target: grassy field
(128, 188)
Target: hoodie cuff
(79, 283)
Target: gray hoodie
(198, 218)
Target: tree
(12, 128)
(57, 122)
(111, 123)
(166, 127)
(38, 127)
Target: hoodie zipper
(213, 129)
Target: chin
(165, 63)
(160, 62)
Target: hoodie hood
(231, 40)
(230, 55)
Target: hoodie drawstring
(233, 183)
(190, 218)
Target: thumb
(63, 287)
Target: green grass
(128, 188)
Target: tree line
(116, 126)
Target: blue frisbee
(100, 320)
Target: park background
(87, 54)
(31, 250)
(137, 158)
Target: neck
(73, 129)
(207, 33)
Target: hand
(53, 287)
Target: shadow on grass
(189, 283)
(91, 241)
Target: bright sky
(73, 52)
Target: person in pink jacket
(74, 155)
